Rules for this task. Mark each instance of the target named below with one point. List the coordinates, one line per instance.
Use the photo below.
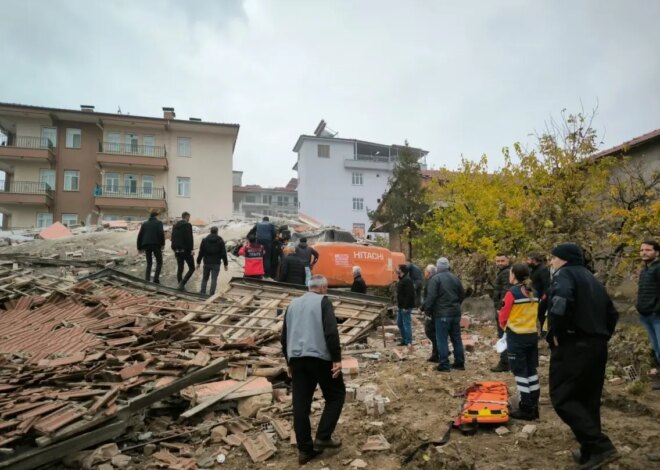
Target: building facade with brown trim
(80, 166)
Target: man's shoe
(525, 414)
(500, 367)
(327, 443)
(156, 281)
(578, 457)
(598, 460)
(443, 369)
(458, 366)
(433, 359)
(304, 457)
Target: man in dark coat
(581, 320)
(500, 288)
(358, 285)
(540, 277)
(212, 251)
(418, 281)
(444, 296)
(183, 244)
(648, 294)
(151, 241)
(292, 268)
(405, 298)
(309, 256)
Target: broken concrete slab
(376, 442)
(358, 463)
(350, 367)
(502, 430)
(218, 433)
(260, 448)
(282, 428)
(54, 231)
(248, 407)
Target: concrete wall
(210, 171)
(326, 190)
(32, 127)
(24, 217)
(647, 156)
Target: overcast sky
(453, 77)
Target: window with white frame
(69, 219)
(47, 176)
(73, 138)
(323, 150)
(183, 146)
(357, 179)
(44, 219)
(358, 203)
(49, 136)
(183, 186)
(147, 185)
(71, 180)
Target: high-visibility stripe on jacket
(519, 312)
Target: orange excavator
(336, 261)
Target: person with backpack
(212, 251)
(183, 244)
(517, 318)
(254, 258)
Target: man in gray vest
(310, 343)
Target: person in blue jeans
(648, 295)
(405, 298)
(444, 296)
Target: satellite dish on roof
(323, 131)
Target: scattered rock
(502, 430)
(653, 456)
(248, 407)
(102, 454)
(149, 449)
(217, 433)
(105, 466)
(359, 463)
(121, 461)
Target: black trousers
(543, 308)
(212, 271)
(307, 372)
(504, 357)
(181, 258)
(523, 354)
(268, 246)
(429, 331)
(150, 253)
(577, 373)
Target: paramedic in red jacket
(254, 258)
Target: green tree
(405, 206)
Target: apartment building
(82, 166)
(340, 179)
(253, 200)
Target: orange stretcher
(485, 403)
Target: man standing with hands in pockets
(310, 343)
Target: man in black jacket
(292, 268)
(358, 285)
(151, 241)
(405, 298)
(309, 256)
(183, 245)
(444, 296)
(265, 234)
(500, 287)
(648, 294)
(540, 277)
(212, 251)
(581, 320)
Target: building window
(49, 136)
(47, 176)
(183, 186)
(44, 219)
(147, 185)
(249, 198)
(282, 201)
(357, 179)
(183, 146)
(70, 219)
(71, 180)
(266, 199)
(323, 150)
(73, 138)
(358, 204)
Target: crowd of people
(562, 303)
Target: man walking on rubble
(581, 320)
(212, 251)
(183, 244)
(151, 241)
(444, 296)
(264, 233)
(648, 295)
(500, 288)
(310, 344)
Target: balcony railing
(156, 151)
(373, 158)
(25, 187)
(127, 192)
(28, 142)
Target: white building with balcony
(340, 179)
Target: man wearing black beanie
(581, 320)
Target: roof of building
(296, 147)
(291, 187)
(630, 144)
(88, 114)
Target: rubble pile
(114, 356)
